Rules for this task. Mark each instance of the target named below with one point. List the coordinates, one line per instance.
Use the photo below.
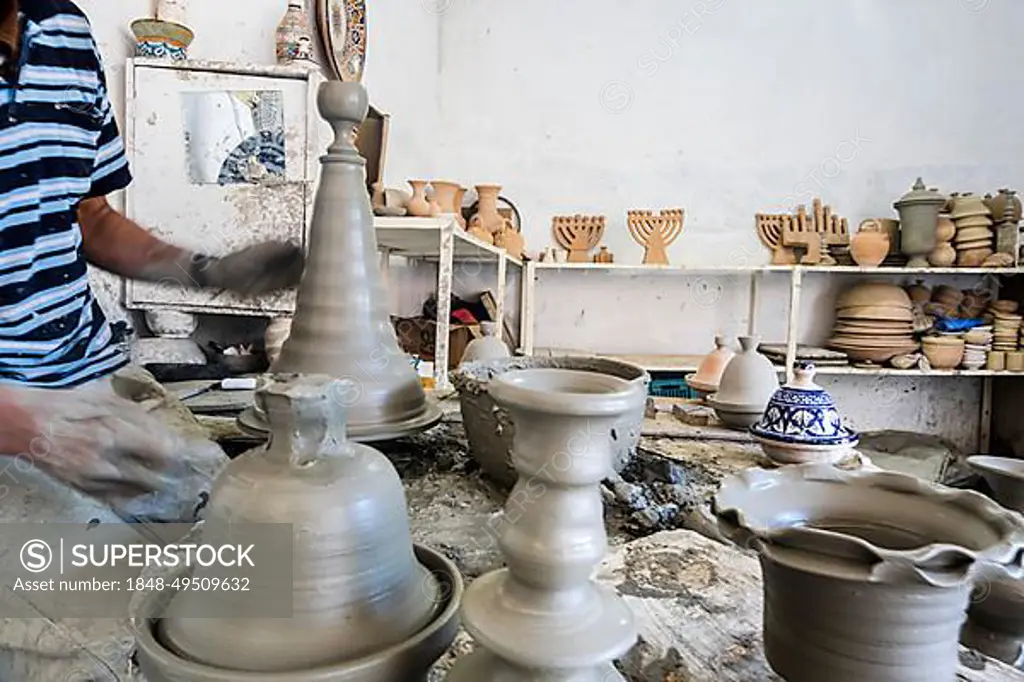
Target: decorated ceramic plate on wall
(342, 28)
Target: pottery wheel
(251, 423)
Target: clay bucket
(867, 575)
(996, 616)
(489, 428)
(357, 587)
(407, 661)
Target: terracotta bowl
(876, 312)
(489, 429)
(1005, 306)
(972, 258)
(874, 294)
(943, 355)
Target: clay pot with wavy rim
(709, 372)
(802, 423)
(347, 507)
(865, 572)
(748, 382)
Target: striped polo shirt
(59, 144)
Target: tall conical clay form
(357, 585)
(341, 326)
(543, 618)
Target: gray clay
(358, 588)
(341, 326)
(867, 575)
(543, 618)
(490, 430)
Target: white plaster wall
(727, 108)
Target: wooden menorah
(655, 232)
(811, 233)
(578, 234)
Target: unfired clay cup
(996, 360)
(1015, 361)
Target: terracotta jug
(543, 617)
(867, 574)
(444, 195)
(418, 205)
(487, 217)
(347, 508)
(511, 240)
(870, 245)
(487, 347)
(709, 372)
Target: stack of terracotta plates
(874, 322)
(1005, 329)
(973, 230)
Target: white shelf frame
(796, 281)
(443, 241)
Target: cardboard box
(416, 336)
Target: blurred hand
(257, 269)
(90, 439)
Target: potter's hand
(90, 439)
(256, 269)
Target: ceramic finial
(919, 184)
(344, 106)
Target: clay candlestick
(543, 618)
(655, 232)
(578, 234)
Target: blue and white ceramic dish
(801, 413)
(162, 39)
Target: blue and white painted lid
(803, 412)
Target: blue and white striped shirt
(59, 144)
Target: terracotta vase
(867, 575)
(444, 195)
(347, 510)
(709, 372)
(487, 347)
(460, 194)
(747, 384)
(294, 37)
(543, 617)
(487, 217)
(342, 326)
(919, 218)
(870, 245)
(1005, 199)
(511, 240)
(418, 205)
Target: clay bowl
(489, 429)
(971, 234)
(878, 354)
(873, 294)
(876, 312)
(864, 572)
(1005, 306)
(972, 258)
(407, 661)
(943, 355)
(974, 245)
(972, 222)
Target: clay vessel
(1006, 198)
(919, 293)
(342, 327)
(802, 424)
(346, 506)
(460, 194)
(747, 384)
(489, 428)
(995, 620)
(709, 372)
(865, 572)
(943, 255)
(919, 219)
(418, 206)
(870, 245)
(294, 37)
(487, 217)
(275, 336)
(487, 347)
(946, 229)
(543, 617)
(511, 240)
(444, 195)
(603, 255)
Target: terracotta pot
(487, 347)
(511, 240)
(865, 572)
(919, 218)
(802, 424)
(444, 195)
(919, 294)
(946, 229)
(709, 373)
(487, 217)
(544, 617)
(870, 245)
(1006, 198)
(942, 256)
(490, 431)
(460, 194)
(747, 384)
(346, 506)
(943, 355)
(418, 205)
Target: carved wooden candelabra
(578, 234)
(655, 232)
(811, 233)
